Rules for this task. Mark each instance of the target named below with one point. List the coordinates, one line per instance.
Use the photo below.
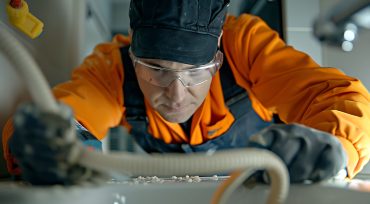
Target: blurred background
(74, 27)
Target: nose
(176, 91)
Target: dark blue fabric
(88, 139)
(247, 122)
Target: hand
(309, 154)
(46, 148)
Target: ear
(219, 38)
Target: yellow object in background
(24, 20)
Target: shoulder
(244, 24)
(247, 34)
(112, 48)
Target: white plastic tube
(158, 165)
(27, 69)
(167, 165)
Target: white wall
(355, 63)
(67, 38)
(97, 25)
(299, 16)
(57, 50)
(120, 17)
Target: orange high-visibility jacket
(278, 79)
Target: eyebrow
(150, 62)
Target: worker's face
(175, 102)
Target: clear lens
(163, 77)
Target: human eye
(157, 70)
(199, 72)
(153, 67)
(195, 73)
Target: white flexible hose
(27, 69)
(196, 164)
(159, 165)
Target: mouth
(175, 109)
(176, 114)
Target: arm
(95, 90)
(285, 81)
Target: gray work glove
(308, 153)
(46, 147)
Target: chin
(176, 119)
(179, 117)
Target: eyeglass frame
(212, 63)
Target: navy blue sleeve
(87, 138)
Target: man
(188, 79)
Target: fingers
(332, 159)
(287, 150)
(325, 166)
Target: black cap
(184, 31)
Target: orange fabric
(10, 161)
(285, 81)
(277, 78)
(95, 90)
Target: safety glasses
(163, 76)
